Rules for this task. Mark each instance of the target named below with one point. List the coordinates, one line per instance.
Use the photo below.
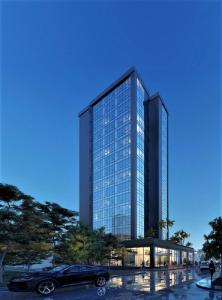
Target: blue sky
(57, 56)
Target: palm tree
(166, 224)
(188, 244)
(151, 232)
(170, 223)
(162, 224)
(179, 237)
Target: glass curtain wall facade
(140, 94)
(112, 140)
(137, 257)
(161, 256)
(190, 257)
(111, 162)
(184, 257)
(164, 168)
(123, 160)
(174, 257)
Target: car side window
(86, 268)
(73, 269)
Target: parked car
(46, 282)
(204, 266)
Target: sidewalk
(206, 283)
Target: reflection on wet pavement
(152, 281)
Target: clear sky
(57, 56)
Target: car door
(87, 273)
(71, 275)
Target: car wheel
(46, 287)
(101, 291)
(100, 281)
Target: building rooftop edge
(158, 96)
(112, 86)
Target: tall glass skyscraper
(113, 171)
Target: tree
(33, 235)
(151, 232)
(59, 221)
(29, 230)
(86, 245)
(77, 247)
(188, 244)
(162, 224)
(166, 224)
(170, 223)
(120, 252)
(179, 237)
(213, 241)
(10, 198)
(24, 235)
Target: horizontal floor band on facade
(156, 242)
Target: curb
(207, 287)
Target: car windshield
(59, 268)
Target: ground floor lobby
(154, 253)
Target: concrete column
(152, 256)
(181, 261)
(152, 282)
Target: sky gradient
(58, 56)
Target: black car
(46, 282)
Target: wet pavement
(158, 285)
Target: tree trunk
(2, 257)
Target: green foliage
(213, 241)
(151, 232)
(179, 237)
(58, 221)
(120, 252)
(164, 224)
(170, 223)
(10, 199)
(24, 238)
(30, 231)
(188, 244)
(86, 245)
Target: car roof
(83, 265)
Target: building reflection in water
(152, 281)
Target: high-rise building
(124, 160)
(156, 165)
